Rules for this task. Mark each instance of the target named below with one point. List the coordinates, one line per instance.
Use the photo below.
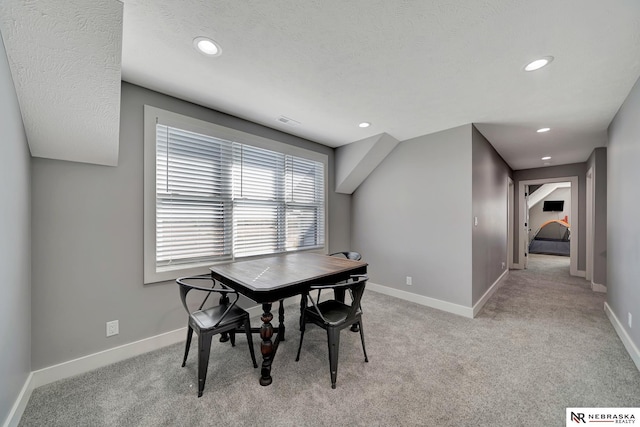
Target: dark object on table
(333, 316)
(226, 317)
(348, 255)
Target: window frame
(153, 115)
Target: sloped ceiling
(355, 161)
(544, 190)
(65, 59)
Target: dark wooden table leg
(281, 321)
(266, 346)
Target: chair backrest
(356, 290)
(349, 255)
(186, 287)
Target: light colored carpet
(541, 344)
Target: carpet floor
(541, 344)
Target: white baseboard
(126, 351)
(494, 287)
(88, 363)
(106, 357)
(422, 300)
(123, 352)
(13, 419)
(596, 287)
(516, 266)
(580, 273)
(624, 336)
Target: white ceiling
(408, 67)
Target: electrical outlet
(409, 281)
(503, 265)
(475, 221)
(629, 319)
(113, 328)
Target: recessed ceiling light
(538, 63)
(364, 124)
(542, 130)
(207, 46)
(546, 158)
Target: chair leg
(232, 336)
(333, 338)
(247, 329)
(204, 349)
(303, 307)
(366, 359)
(302, 328)
(186, 348)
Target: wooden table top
(273, 278)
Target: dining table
(273, 278)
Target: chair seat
(207, 319)
(332, 310)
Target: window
(214, 194)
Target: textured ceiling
(65, 62)
(408, 67)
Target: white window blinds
(304, 190)
(217, 199)
(193, 198)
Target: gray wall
(623, 228)
(489, 204)
(15, 245)
(88, 247)
(412, 217)
(574, 169)
(598, 161)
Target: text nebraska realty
(616, 418)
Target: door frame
(526, 190)
(590, 223)
(510, 210)
(575, 221)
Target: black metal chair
(333, 316)
(225, 317)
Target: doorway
(525, 225)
